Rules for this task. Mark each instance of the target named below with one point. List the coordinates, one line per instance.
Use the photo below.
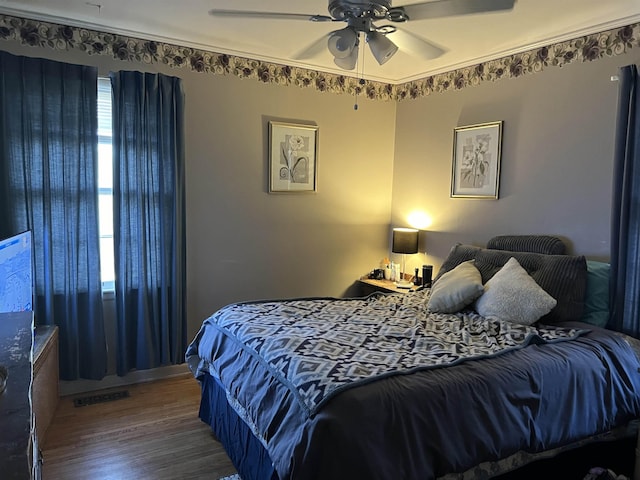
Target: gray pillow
(459, 253)
(512, 295)
(456, 289)
(564, 277)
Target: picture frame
(477, 152)
(293, 158)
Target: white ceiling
(467, 39)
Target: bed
(490, 369)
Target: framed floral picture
(293, 158)
(476, 160)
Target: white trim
(546, 42)
(217, 49)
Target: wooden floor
(155, 433)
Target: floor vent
(105, 397)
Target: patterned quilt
(319, 347)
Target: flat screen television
(16, 273)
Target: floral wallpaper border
(60, 37)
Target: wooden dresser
(45, 377)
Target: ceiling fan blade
(446, 8)
(270, 15)
(411, 43)
(314, 49)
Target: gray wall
(245, 243)
(556, 171)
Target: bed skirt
(252, 461)
(245, 451)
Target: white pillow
(512, 295)
(456, 289)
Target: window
(105, 185)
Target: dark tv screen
(16, 273)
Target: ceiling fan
(360, 16)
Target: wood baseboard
(139, 376)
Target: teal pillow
(596, 300)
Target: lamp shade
(342, 42)
(405, 240)
(381, 47)
(348, 63)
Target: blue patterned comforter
(321, 346)
(283, 364)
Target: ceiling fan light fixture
(381, 47)
(348, 63)
(341, 43)
(361, 17)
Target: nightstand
(369, 285)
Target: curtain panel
(149, 220)
(625, 214)
(48, 184)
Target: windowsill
(108, 294)
(108, 290)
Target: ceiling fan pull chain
(361, 81)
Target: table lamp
(405, 240)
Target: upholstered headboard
(547, 244)
(564, 277)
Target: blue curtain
(149, 220)
(48, 162)
(625, 214)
